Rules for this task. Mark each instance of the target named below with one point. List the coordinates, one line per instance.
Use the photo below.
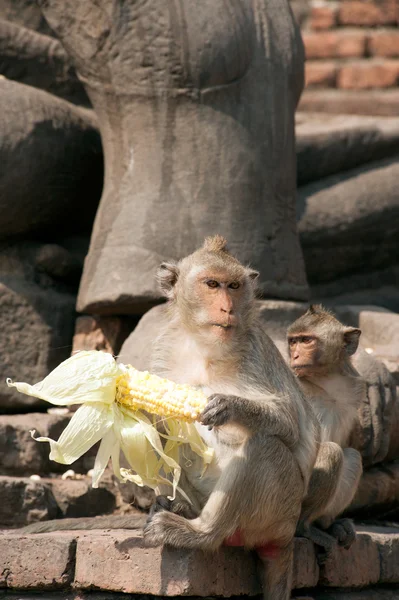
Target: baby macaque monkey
(320, 349)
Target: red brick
(37, 562)
(366, 13)
(323, 17)
(320, 74)
(383, 43)
(118, 561)
(335, 44)
(367, 75)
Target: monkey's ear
(167, 276)
(351, 339)
(252, 274)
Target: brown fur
(320, 350)
(262, 427)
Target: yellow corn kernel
(141, 390)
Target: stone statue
(195, 102)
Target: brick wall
(351, 45)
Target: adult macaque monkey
(320, 349)
(258, 420)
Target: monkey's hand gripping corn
(113, 399)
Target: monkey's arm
(257, 415)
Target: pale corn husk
(90, 379)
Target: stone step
(119, 562)
(22, 455)
(25, 500)
(384, 103)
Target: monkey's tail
(134, 521)
(276, 573)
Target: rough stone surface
(79, 499)
(36, 326)
(357, 567)
(25, 13)
(384, 103)
(211, 82)
(334, 44)
(57, 262)
(374, 593)
(329, 144)
(349, 222)
(378, 494)
(51, 159)
(369, 14)
(321, 74)
(384, 43)
(24, 501)
(22, 455)
(306, 569)
(118, 562)
(38, 60)
(362, 75)
(376, 288)
(37, 562)
(388, 549)
(101, 333)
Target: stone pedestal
(196, 109)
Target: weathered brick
(22, 455)
(323, 17)
(37, 561)
(368, 74)
(118, 561)
(387, 543)
(357, 567)
(24, 501)
(367, 13)
(383, 43)
(320, 74)
(306, 570)
(335, 44)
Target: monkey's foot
(344, 532)
(163, 503)
(154, 531)
(324, 542)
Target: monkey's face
(212, 292)
(218, 302)
(304, 351)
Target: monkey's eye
(234, 285)
(307, 339)
(212, 283)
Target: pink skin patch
(268, 550)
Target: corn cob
(140, 390)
